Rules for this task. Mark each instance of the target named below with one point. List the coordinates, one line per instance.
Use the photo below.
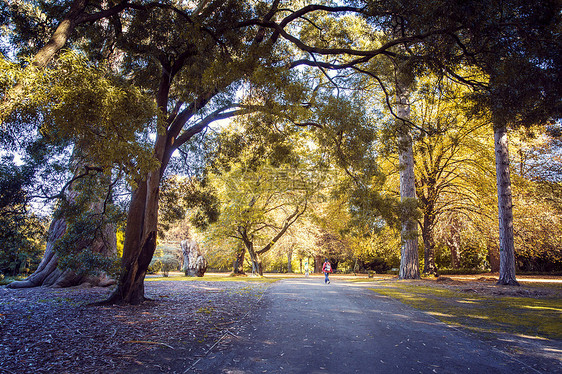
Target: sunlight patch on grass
(437, 314)
(467, 301)
(542, 308)
(483, 314)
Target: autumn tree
(264, 187)
(451, 156)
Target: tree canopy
(131, 86)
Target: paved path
(306, 326)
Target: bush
(169, 262)
(165, 259)
(155, 266)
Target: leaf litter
(46, 330)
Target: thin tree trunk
(409, 260)
(289, 260)
(494, 257)
(428, 247)
(455, 254)
(505, 211)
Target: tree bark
(289, 260)
(48, 273)
(453, 240)
(409, 259)
(238, 267)
(194, 264)
(254, 258)
(318, 263)
(140, 243)
(494, 257)
(428, 246)
(505, 208)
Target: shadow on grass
(486, 315)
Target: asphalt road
(306, 326)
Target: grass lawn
(534, 311)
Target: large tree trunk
(290, 260)
(454, 246)
(254, 259)
(140, 242)
(318, 263)
(505, 212)
(49, 263)
(409, 260)
(104, 242)
(238, 266)
(48, 274)
(194, 263)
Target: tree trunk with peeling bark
(505, 208)
(49, 273)
(140, 242)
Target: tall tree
(519, 45)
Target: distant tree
(259, 206)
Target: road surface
(306, 326)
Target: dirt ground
(44, 330)
(56, 330)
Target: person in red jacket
(327, 269)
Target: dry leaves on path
(45, 330)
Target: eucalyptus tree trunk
(141, 231)
(140, 241)
(49, 274)
(409, 258)
(505, 208)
